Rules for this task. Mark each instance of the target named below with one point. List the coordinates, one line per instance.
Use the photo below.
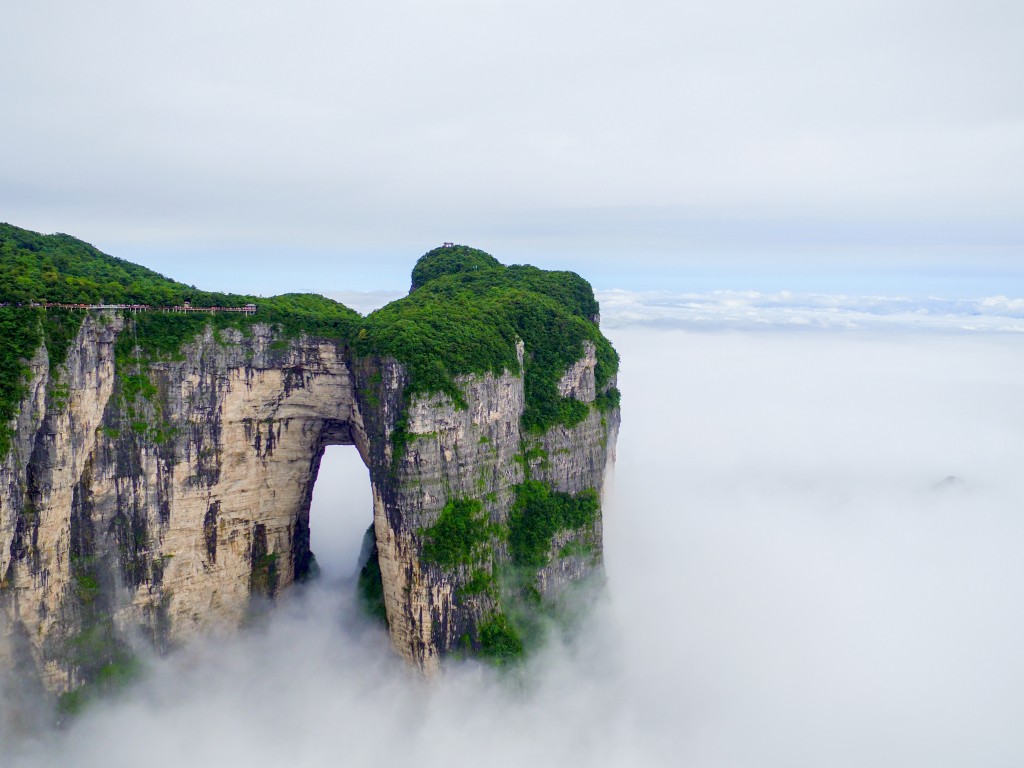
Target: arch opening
(341, 509)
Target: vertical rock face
(158, 501)
(44, 482)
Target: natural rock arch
(177, 537)
(164, 495)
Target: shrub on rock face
(499, 640)
(460, 536)
(539, 513)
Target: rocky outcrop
(153, 501)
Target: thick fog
(813, 550)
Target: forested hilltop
(464, 314)
(63, 269)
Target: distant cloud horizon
(785, 310)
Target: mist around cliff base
(813, 548)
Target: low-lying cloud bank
(756, 310)
(794, 579)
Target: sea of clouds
(813, 534)
(756, 310)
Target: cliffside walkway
(248, 309)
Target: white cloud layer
(752, 310)
(793, 581)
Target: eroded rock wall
(163, 500)
(56, 440)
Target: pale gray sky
(266, 146)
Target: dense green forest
(465, 313)
(63, 269)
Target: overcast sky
(325, 145)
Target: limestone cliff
(151, 499)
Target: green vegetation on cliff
(461, 535)
(500, 641)
(18, 341)
(539, 513)
(462, 541)
(465, 314)
(370, 584)
(21, 333)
